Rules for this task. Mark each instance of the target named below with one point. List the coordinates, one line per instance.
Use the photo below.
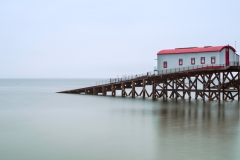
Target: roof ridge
(186, 47)
(195, 49)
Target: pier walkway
(208, 82)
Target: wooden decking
(207, 83)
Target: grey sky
(107, 38)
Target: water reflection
(188, 114)
(187, 129)
(197, 130)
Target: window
(202, 60)
(213, 60)
(192, 60)
(165, 64)
(180, 61)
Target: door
(227, 56)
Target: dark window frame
(192, 61)
(180, 62)
(202, 60)
(165, 64)
(213, 60)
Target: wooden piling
(222, 84)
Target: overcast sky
(107, 38)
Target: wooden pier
(216, 82)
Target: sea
(36, 123)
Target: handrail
(169, 71)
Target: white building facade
(197, 56)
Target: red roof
(195, 50)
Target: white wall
(237, 57)
(172, 59)
(232, 56)
(222, 59)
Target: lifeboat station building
(216, 56)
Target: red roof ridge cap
(195, 49)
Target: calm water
(38, 124)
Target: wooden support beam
(173, 87)
(153, 90)
(113, 90)
(133, 89)
(147, 94)
(130, 93)
(189, 87)
(123, 90)
(163, 93)
(204, 86)
(95, 91)
(104, 92)
(143, 89)
(219, 84)
(184, 92)
(223, 87)
(238, 85)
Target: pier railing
(169, 71)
